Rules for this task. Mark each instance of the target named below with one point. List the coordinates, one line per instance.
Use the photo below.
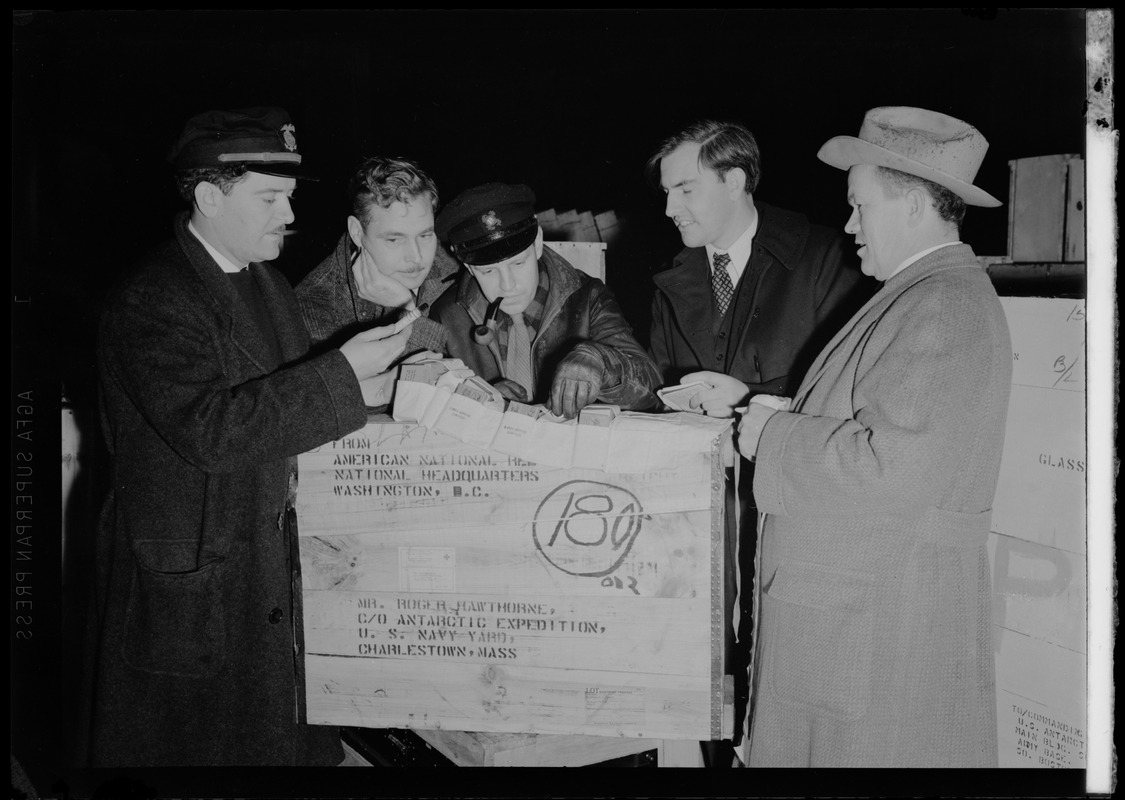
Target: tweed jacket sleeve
(892, 412)
(427, 333)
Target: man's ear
(355, 231)
(209, 199)
(735, 181)
(539, 243)
(917, 202)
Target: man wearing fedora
(207, 397)
(875, 637)
(549, 333)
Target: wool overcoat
(579, 308)
(875, 644)
(198, 578)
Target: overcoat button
(275, 616)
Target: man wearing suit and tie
(747, 304)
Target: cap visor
(502, 250)
(281, 170)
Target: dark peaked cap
(489, 223)
(262, 138)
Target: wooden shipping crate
(1037, 546)
(532, 750)
(1046, 210)
(589, 257)
(447, 586)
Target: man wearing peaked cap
(208, 394)
(877, 485)
(524, 319)
(487, 223)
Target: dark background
(571, 102)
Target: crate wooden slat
(1074, 246)
(531, 750)
(455, 588)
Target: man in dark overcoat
(207, 397)
(744, 307)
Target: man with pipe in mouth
(521, 317)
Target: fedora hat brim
(844, 152)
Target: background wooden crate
(1046, 210)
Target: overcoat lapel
(292, 339)
(953, 257)
(819, 366)
(688, 289)
(239, 327)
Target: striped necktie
(720, 282)
(517, 365)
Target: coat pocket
(819, 630)
(173, 620)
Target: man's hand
(377, 391)
(375, 287)
(372, 352)
(750, 428)
(577, 383)
(725, 395)
(511, 390)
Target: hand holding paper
(372, 352)
(679, 397)
(377, 390)
(721, 395)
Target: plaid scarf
(532, 315)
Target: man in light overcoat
(876, 488)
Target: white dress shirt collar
(917, 256)
(224, 263)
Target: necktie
(720, 282)
(517, 365)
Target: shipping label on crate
(1037, 546)
(450, 586)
